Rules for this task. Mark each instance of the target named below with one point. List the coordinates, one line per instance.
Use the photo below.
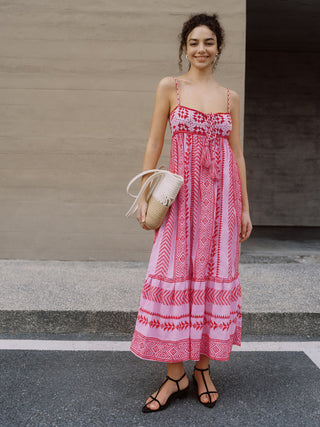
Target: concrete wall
(282, 126)
(77, 86)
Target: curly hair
(211, 21)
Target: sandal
(208, 404)
(177, 394)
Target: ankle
(176, 375)
(202, 366)
(175, 370)
(203, 363)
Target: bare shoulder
(166, 83)
(166, 91)
(234, 96)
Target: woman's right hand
(142, 212)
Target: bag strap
(157, 172)
(141, 174)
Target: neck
(203, 76)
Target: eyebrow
(210, 38)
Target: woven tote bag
(164, 188)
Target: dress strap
(177, 86)
(228, 99)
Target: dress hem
(139, 341)
(182, 360)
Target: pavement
(279, 275)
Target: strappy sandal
(177, 394)
(208, 404)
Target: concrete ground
(279, 275)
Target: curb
(56, 322)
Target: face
(201, 47)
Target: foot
(166, 390)
(202, 388)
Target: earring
(187, 56)
(215, 59)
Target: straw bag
(164, 187)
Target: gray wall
(78, 80)
(282, 110)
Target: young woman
(190, 307)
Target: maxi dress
(191, 297)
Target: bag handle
(157, 172)
(147, 180)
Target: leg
(175, 371)
(203, 363)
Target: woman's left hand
(246, 226)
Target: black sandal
(177, 394)
(208, 404)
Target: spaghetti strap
(228, 99)
(177, 86)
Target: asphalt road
(109, 388)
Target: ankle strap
(172, 379)
(207, 369)
(176, 381)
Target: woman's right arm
(156, 139)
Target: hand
(246, 226)
(142, 213)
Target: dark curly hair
(211, 21)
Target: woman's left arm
(234, 139)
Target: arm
(156, 138)
(234, 139)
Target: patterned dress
(191, 297)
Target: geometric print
(191, 298)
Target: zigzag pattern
(183, 325)
(194, 278)
(237, 313)
(195, 199)
(195, 243)
(180, 259)
(167, 239)
(193, 296)
(231, 218)
(218, 267)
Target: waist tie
(206, 160)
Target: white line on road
(310, 348)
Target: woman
(190, 307)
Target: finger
(249, 229)
(246, 232)
(243, 233)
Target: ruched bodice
(184, 119)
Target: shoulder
(234, 96)
(167, 83)
(234, 100)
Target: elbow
(155, 145)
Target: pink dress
(191, 297)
